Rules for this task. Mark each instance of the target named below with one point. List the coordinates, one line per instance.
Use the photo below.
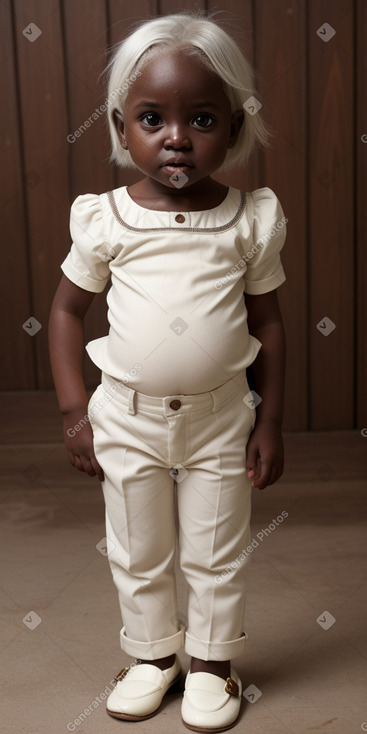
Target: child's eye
(203, 121)
(151, 119)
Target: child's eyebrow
(146, 103)
(206, 104)
(157, 105)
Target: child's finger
(71, 458)
(255, 473)
(252, 459)
(97, 468)
(90, 466)
(276, 473)
(263, 479)
(78, 463)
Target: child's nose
(177, 137)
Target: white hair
(196, 36)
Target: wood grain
(331, 230)
(313, 97)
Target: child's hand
(79, 443)
(265, 454)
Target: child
(195, 268)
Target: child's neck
(205, 194)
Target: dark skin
(175, 111)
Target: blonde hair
(197, 36)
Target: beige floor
(311, 679)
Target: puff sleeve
(264, 270)
(86, 265)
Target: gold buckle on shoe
(232, 687)
(120, 675)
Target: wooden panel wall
(360, 156)
(311, 83)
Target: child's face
(177, 112)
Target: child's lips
(175, 167)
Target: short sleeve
(86, 265)
(264, 270)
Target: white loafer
(139, 691)
(210, 703)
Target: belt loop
(131, 410)
(216, 400)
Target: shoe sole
(210, 729)
(175, 685)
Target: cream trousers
(156, 452)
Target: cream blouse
(177, 315)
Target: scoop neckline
(176, 211)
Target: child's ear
(237, 119)
(119, 125)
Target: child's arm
(265, 454)
(66, 345)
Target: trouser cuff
(155, 648)
(214, 650)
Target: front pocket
(99, 401)
(91, 409)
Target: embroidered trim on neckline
(222, 228)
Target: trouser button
(175, 404)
